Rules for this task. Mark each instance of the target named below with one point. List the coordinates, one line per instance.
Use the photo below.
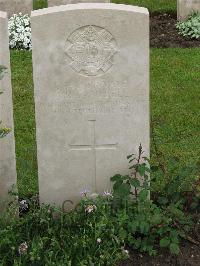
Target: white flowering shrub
(19, 28)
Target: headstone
(91, 79)
(65, 2)
(186, 7)
(7, 145)
(16, 6)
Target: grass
(37, 4)
(174, 109)
(175, 105)
(152, 5)
(24, 120)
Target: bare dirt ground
(163, 33)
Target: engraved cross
(93, 147)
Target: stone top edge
(89, 6)
(3, 14)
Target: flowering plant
(20, 32)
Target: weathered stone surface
(16, 6)
(186, 7)
(65, 2)
(91, 78)
(7, 145)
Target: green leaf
(122, 189)
(135, 182)
(143, 195)
(146, 159)
(146, 185)
(174, 248)
(116, 177)
(162, 200)
(174, 236)
(156, 218)
(164, 242)
(142, 169)
(129, 156)
(133, 226)
(122, 234)
(117, 184)
(126, 177)
(144, 227)
(137, 242)
(154, 168)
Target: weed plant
(101, 228)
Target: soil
(163, 33)
(189, 256)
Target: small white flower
(107, 194)
(90, 208)
(99, 240)
(126, 251)
(23, 248)
(85, 193)
(23, 205)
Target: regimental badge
(91, 50)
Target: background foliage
(152, 5)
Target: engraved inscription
(91, 50)
(97, 89)
(98, 107)
(93, 97)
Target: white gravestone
(91, 78)
(16, 6)
(186, 7)
(7, 145)
(65, 2)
